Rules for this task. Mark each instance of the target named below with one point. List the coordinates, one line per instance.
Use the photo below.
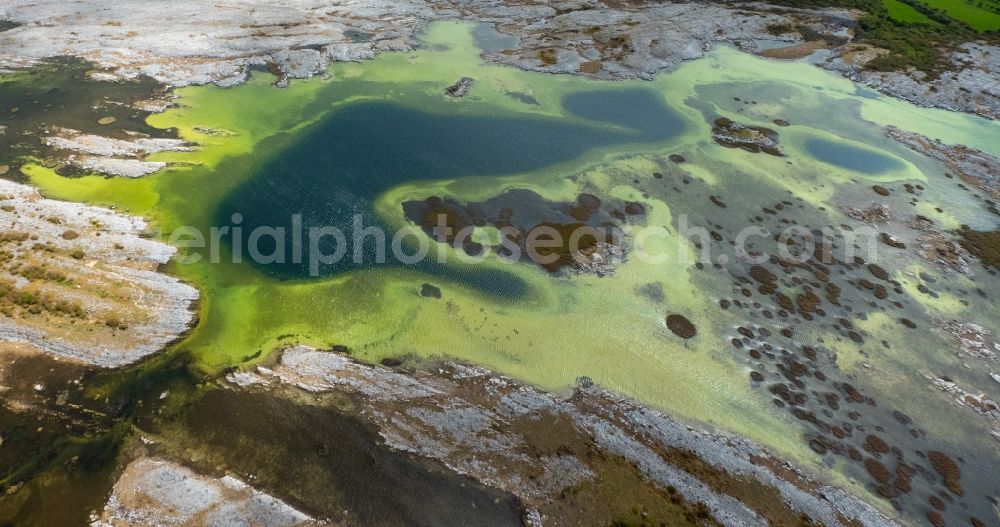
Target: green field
(903, 12)
(975, 13)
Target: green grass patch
(917, 33)
(981, 15)
(903, 12)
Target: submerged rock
(948, 470)
(973, 339)
(681, 326)
(430, 291)
(585, 236)
(875, 214)
(984, 244)
(939, 248)
(979, 403)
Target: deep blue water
(341, 165)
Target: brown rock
(877, 470)
(948, 470)
(681, 326)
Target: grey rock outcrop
(154, 491)
(474, 422)
(87, 281)
(197, 43)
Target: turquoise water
(851, 157)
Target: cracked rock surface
(86, 281)
(197, 43)
(114, 157)
(495, 430)
(154, 491)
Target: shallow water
(317, 455)
(382, 133)
(489, 40)
(851, 157)
(60, 90)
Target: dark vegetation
(919, 45)
(20, 300)
(35, 302)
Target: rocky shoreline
(970, 84)
(81, 282)
(295, 39)
(87, 289)
(972, 166)
(153, 491)
(197, 44)
(544, 448)
(113, 157)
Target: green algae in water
(540, 339)
(331, 176)
(566, 327)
